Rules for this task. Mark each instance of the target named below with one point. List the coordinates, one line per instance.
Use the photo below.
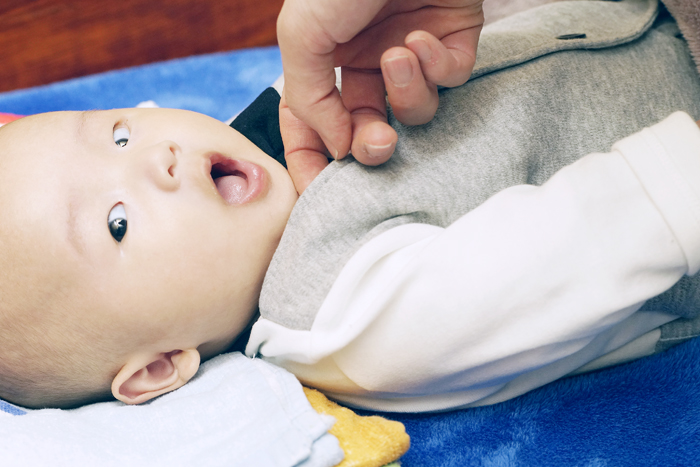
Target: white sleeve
(524, 282)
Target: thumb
(304, 166)
(303, 149)
(326, 115)
(308, 32)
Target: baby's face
(122, 209)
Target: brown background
(42, 41)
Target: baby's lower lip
(237, 182)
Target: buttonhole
(567, 37)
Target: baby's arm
(535, 274)
(528, 287)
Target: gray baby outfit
(550, 85)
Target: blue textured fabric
(219, 85)
(645, 413)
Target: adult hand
(401, 49)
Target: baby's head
(121, 262)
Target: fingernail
(399, 71)
(332, 151)
(422, 50)
(377, 152)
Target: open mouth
(237, 182)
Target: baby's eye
(117, 222)
(121, 135)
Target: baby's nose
(161, 162)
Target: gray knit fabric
(686, 13)
(536, 103)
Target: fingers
(373, 140)
(413, 99)
(411, 73)
(304, 150)
(326, 114)
(304, 166)
(308, 32)
(310, 88)
(448, 62)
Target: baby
(118, 242)
(137, 242)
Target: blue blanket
(643, 413)
(219, 85)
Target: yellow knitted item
(367, 441)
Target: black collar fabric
(260, 123)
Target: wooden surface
(42, 41)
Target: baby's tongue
(232, 188)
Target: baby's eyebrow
(75, 237)
(83, 118)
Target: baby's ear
(147, 376)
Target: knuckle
(417, 115)
(437, 74)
